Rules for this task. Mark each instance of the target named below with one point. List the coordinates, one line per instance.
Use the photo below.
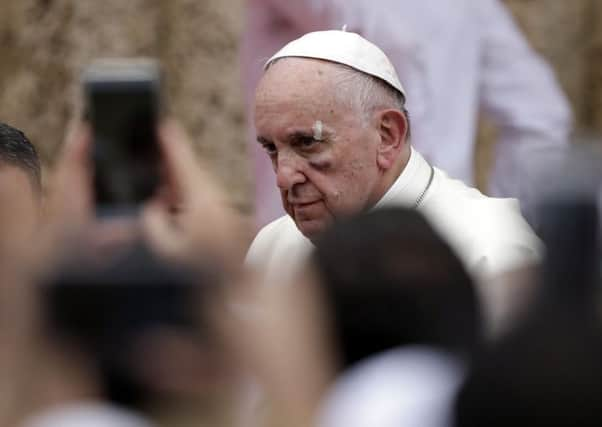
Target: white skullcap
(345, 48)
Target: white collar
(410, 184)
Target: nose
(288, 171)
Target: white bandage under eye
(317, 128)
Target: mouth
(298, 205)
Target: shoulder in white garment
(278, 250)
(489, 235)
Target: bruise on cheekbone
(321, 161)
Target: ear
(392, 127)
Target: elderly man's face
(324, 156)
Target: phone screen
(126, 156)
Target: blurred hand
(70, 220)
(69, 203)
(281, 336)
(190, 216)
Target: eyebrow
(299, 134)
(294, 135)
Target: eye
(270, 149)
(306, 142)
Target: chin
(311, 229)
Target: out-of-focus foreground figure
(406, 319)
(111, 312)
(545, 371)
(453, 57)
(127, 342)
(378, 327)
(20, 225)
(20, 192)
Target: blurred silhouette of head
(138, 321)
(16, 150)
(547, 370)
(534, 378)
(390, 281)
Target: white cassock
(489, 235)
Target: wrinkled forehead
(307, 89)
(298, 76)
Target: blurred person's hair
(546, 373)
(105, 310)
(390, 280)
(17, 150)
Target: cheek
(285, 203)
(344, 177)
(351, 186)
(322, 162)
(361, 173)
(323, 174)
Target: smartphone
(123, 104)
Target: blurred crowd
(389, 293)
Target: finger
(76, 149)
(114, 232)
(180, 158)
(70, 197)
(159, 232)
(191, 179)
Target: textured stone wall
(569, 35)
(594, 70)
(46, 42)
